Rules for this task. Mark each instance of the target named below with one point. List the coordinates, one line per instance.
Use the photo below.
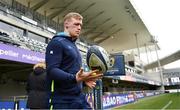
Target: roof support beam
(94, 37)
(81, 12)
(96, 27)
(101, 40)
(38, 5)
(166, 60)
(53, 15)
(74, 10)
(92, 18)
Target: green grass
(155, 102)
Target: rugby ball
(97, 58)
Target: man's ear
(66, 24)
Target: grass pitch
(168, 101)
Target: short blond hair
(73, 15)
(40, 64)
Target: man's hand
(88, 77)
(91, 84)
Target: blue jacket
(63, 61)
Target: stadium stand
(39, 30)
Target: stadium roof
(113, 24)
(166, 60)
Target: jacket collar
(65, 35)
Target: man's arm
(54, 54)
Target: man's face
(73, 26)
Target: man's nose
(79, 27)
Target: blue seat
(7, 105)
(22, 104)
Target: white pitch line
(167, 105)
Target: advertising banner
(13, 53)
(149, 94)
(117, 64)
(114, 100)
(140, 95)
(90, 99)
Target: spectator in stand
(36, 87)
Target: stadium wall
(11, 89)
